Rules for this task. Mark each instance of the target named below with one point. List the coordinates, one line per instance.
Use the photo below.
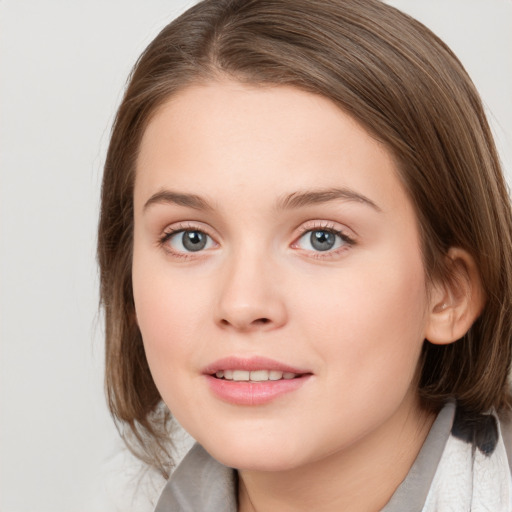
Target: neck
(360, 478)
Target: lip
(253, 393)
(251, 364)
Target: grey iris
(194, 240)
(322, 240)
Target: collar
(199, 484)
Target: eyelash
(324, 226)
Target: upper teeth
(256, 375)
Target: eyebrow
(181, 199)
(291, 201)
(312, 197)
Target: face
(277, 275)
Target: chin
(255, 454)
(256, 461)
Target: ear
(456, 303)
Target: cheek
(171, 343)
(367, 332)
(370, 320)
(163, 310)
(167, 313)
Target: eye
(322, 240)
(188, 240)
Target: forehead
(222, 138)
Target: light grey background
(63, 65)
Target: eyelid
(327, 225)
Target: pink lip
(250, 364)
(252, 393)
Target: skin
(355, 317)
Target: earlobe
(457, 302)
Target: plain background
(63, 66)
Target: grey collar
(199, 484)
(411, 494)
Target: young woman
(304, 244)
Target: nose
(250, 296)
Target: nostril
(258, 321)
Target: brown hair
(408, 89)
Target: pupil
(194, 240)
(322, 240)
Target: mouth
(253, 381)
(255, 375)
